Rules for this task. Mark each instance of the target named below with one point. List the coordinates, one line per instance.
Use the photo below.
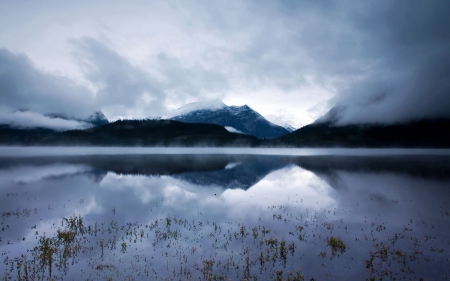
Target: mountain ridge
(241, 118)
(130, 133)
(97, 118)
(433, 133)
(430, 133)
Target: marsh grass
(337, 245)
(210, 250)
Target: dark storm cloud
(24, 87)
(389, 60)
(299, 39)
(406, 47)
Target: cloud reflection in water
(345, 197)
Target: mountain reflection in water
(225, 216)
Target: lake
(220, 214)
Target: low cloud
(28, 119)
(407, 75)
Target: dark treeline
(431, 133)
(130, 133)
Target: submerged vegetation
(174, 248)
(337, 245)
(136, 228)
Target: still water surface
(260, 216)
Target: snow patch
(230, 166)
(118, 118)
(233, 130)
(289, 128)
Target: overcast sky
(386, 61)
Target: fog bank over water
(61, 151)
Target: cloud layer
(29, 119)
(290, 60)
(409, 78)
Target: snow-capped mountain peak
(195, 106)
(239, 119)
(289, 127)
(236, 110)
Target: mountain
(242, 173)
(420, 166)
(131, 133)
(289, 128)
(220, 170)
(95, 119)
(432, 133)
(241, 119)
(26, 136)
(332, 116)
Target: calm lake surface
(220, 214)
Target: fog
(60, 151)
